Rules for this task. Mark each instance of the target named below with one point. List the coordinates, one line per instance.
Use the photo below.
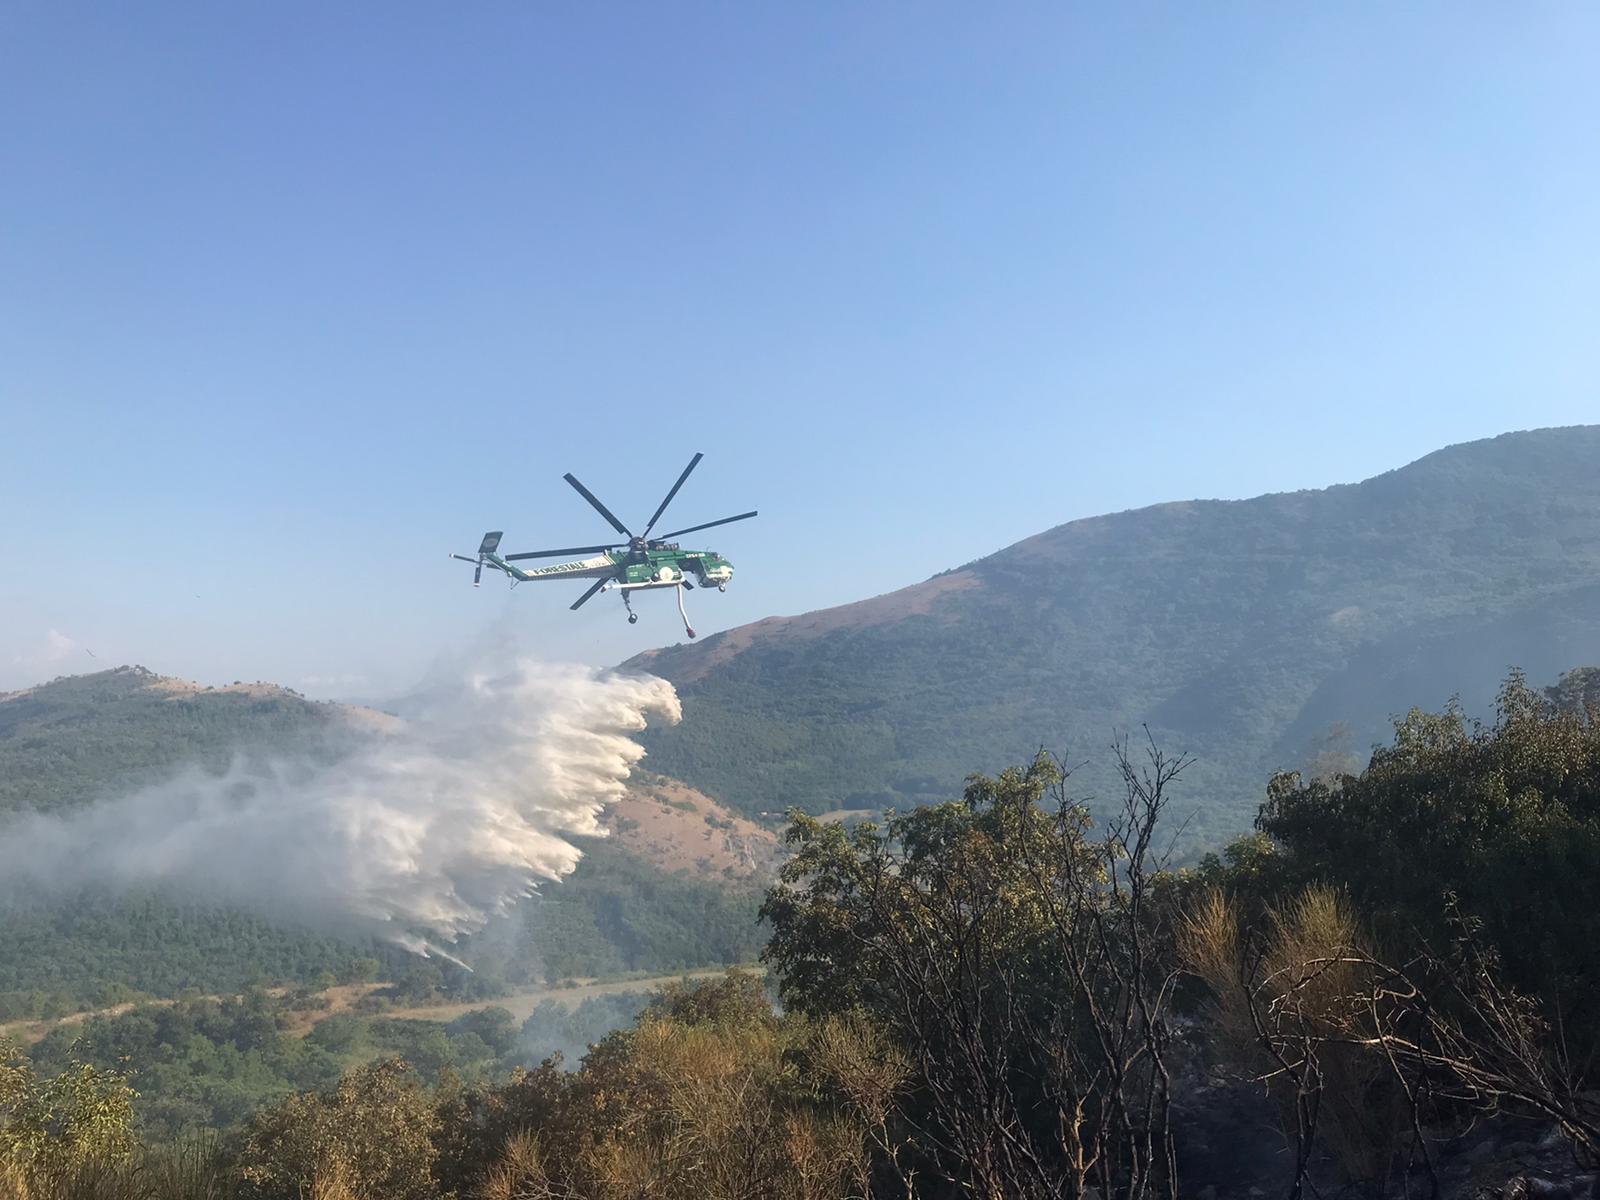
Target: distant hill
(676, 886)
(1255, 634)
(69, 741)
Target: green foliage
(737, 999)
(1503, 816)
(1578, 692)
(1241, 632)
(964, 968)
(709, 1096)
(374, 1131)
(616, 913)
(554, 1028)
(850, 897)
(206, 1065)
(496, 1028)
(1016, 960)
(199, 1064)
(83, 738)
(210, 1065)
(49, 1123)
(71, 741)
(76, 952)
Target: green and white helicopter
(641, 562)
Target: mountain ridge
(77, 738)
(744, 634)
(1230, 627)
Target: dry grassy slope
(676, 828)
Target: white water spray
(419, 834)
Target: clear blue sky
(296, 298)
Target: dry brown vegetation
(678, 828)
(1288, 1005)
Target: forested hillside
(73, 741)
(1255, 634)
(1389, 990)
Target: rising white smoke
(419, 834)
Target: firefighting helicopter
(641, 562)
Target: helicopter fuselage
(651, 567)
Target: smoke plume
(417, 834)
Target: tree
(374, 1131)
(738, 998)
(1500, 820)
(711, 1096)
(82, 1115)
(497, 1028)
(1578, 691)
(1016, 959)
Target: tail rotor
(490, 543)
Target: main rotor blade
(600, 508)
(693, 463)
(558, 553)
(587, 596)
(696, 528)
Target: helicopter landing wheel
(722, 587)
(633, 618)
